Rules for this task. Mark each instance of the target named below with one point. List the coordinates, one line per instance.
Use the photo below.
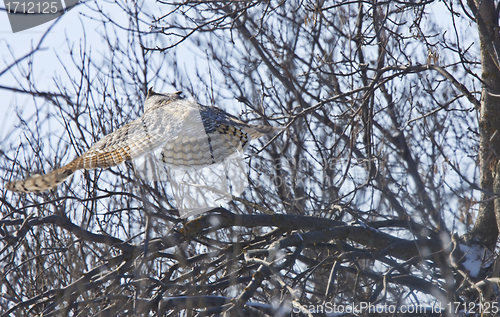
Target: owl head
(154, 99)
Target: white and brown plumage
(180, 132)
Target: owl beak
(178, 92)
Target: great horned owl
(181, 132)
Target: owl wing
(203, 149)
(145, 135)
(215, 135)
(206, 138)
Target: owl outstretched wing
(151, 131)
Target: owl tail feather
(40, 183)
(94, 158)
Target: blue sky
(45, 66)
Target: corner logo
(25, 15)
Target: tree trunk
(485, 230)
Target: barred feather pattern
(180, 132)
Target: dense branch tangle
(222, 265)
